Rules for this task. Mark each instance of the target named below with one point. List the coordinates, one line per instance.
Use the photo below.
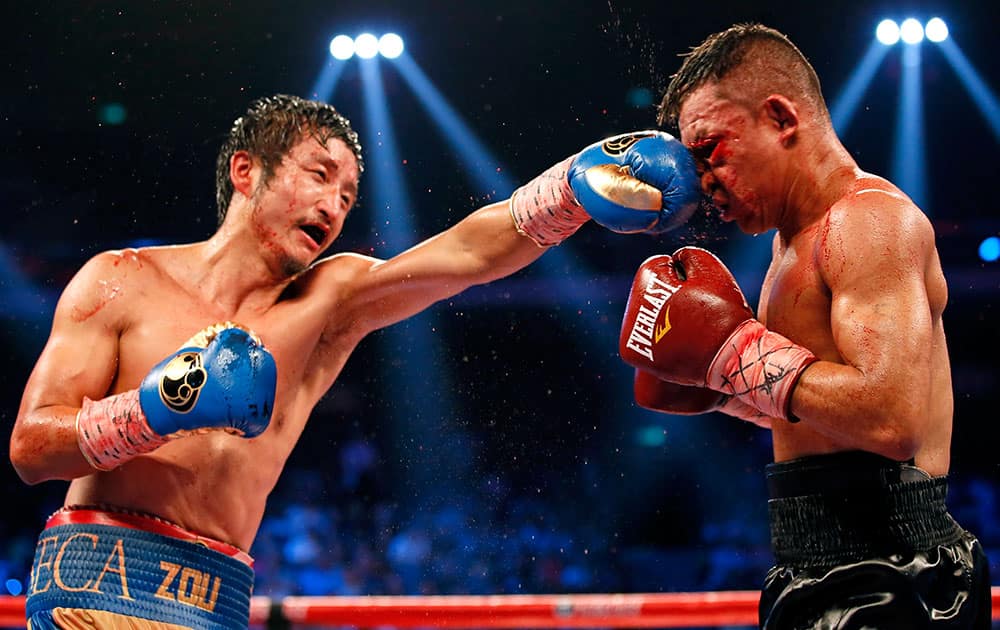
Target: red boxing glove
(683, 400)
(687, 322)
(688, 400)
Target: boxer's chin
(291, 267)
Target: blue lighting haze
(844, 107)
(326, 83)
(983, 96)
(909, 159)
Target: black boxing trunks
(864, 542)
(100, 568)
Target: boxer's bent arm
(482, 247)
(874, 260)
(79, 359)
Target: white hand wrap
(545, 209)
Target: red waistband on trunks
(151, 524)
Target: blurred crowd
(350, 537)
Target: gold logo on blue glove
(616, 184)
(182, 381)
(620, 144)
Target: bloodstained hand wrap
(761, 368)
(113, 430)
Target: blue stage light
(989, 249)
(911, 31)
(390, 45)
(936, 30)
(887, 32)
(366, 45)
(342, 47)
(14, 586)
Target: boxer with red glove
(687, 322)
(645, 181)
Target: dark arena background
(490, 445)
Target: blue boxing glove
(645, 181)
(221, 379)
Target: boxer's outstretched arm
(484, 246)
(80, 359)
(875, 260)
(636, 182)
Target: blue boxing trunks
(863, 542)
(96, 568)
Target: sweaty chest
(160, 326)
(795, 300)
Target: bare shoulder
(102, 285)
(874, 223)
(333, 285)
(343, 270)
(337, 279)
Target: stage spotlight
(390, 45)
(366, 45)
(910, 31)
(342, 47)
(936, 30)
(989, 249)
(887, 32)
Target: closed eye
(702, 149)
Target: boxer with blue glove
(221, 379)
(643, 181)
(105, 410)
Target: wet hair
(270, 127)
(759, 61)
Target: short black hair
(781, 65)
(270, 127)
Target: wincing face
(301, 209)
(734, 150)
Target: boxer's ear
(782, 115)
(241, 173)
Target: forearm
(45, 446)
(491, 245)
(858, 411)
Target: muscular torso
(797, 302)
(217, 484)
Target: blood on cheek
(720, 153)
(267, 236)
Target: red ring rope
(630, 610)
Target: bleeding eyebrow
(702, 146)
